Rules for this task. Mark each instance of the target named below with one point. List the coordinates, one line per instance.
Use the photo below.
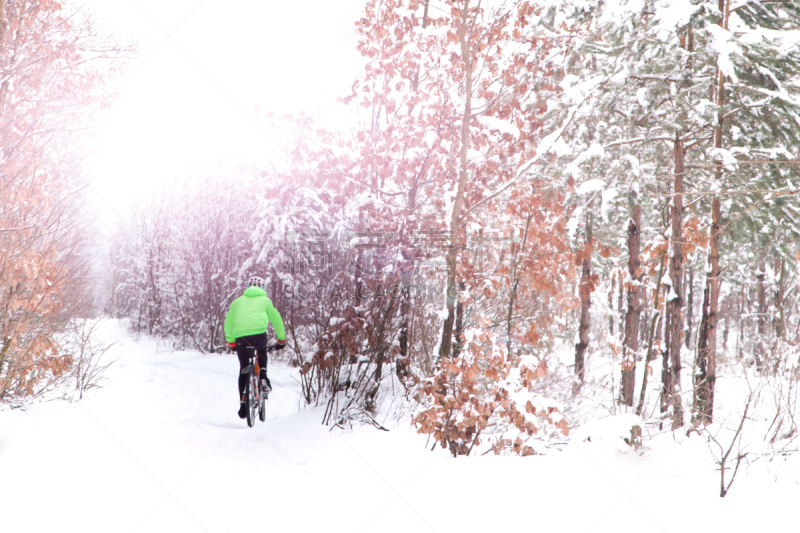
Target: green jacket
(249, 315)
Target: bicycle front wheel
(262, 410)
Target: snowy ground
(160, 448)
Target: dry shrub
(484, 392)
(85, 350)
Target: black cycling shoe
(242, 410)
(266, 386)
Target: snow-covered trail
(160, 448)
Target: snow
(569, 81)
(561, 148)
(725, 156)
(672, 294)
(613, 430)
(771, 75)
(621, 76)
(641, 96)
(430, 138)
(608, 202)
(496, 124)
(721, 44)
(475, 155)
(590, 186)
(160, 449)
(672, 14)
(595, 150)
(574, 222)
(545, 145)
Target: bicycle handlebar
(270, 348)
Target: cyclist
(246, 325)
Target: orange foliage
(481, 387)
(46, 81)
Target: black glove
(281, 345)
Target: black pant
(259, 342)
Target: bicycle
(254, 395)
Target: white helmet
(255, 281)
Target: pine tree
(654, 68)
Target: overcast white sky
(195, 102)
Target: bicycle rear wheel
(251, 398)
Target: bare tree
(86, 351)
(723, 452)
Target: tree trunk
(707, 340)
(611, 287)
(359, 284)
(630, 346)
(415, 79)
(778, 318)
(379, 343)
(402, 366)
(687, 335)
(667, 389)
(620, 300)
(706, 363)
(515, 283)
(652, 335)
(586, 294)
(675, 298)
(403, 362)
(406, 270)
(459, 331)
(3, 26)
(725, 332)
(762, 321)
(740, 323)
(273, 291)
(445, 348)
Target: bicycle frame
(254, 396)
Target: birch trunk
(4, 86)
(445, 348)
(403, 361)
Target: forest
(545, 213)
